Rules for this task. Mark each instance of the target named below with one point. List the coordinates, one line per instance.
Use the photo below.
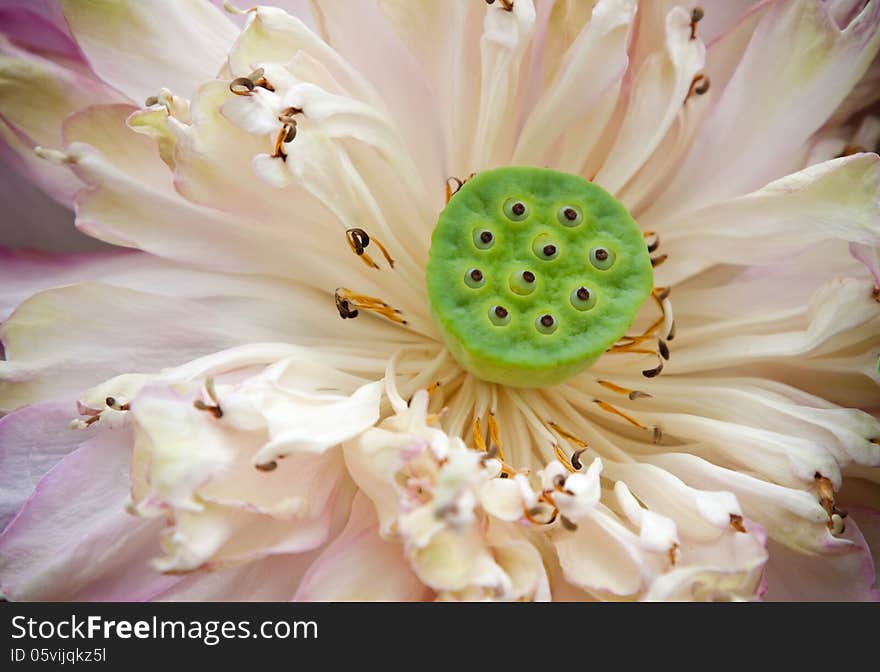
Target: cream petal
(139, 49)
(598, 57)
(359, 566)
(601, 555)
(838, 199)
(445, 40)
(730, 569)
(796, 59)
(658, 90)
(792, 516)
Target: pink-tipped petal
(361, 566)
(73, 539)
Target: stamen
(563, 459)
(241, 86)
(494, 434)
(696, 17)
(115, 405)
(850, 149)
(658, 434)
(576, 458)
(452, 189)
(673, 554)
(349, 304)
(358, 240)
(506, 5)
(479, 441)
(826, 499)
(655, 243)
(658, 261)
(736, 522)
(632, 394)
(569, 525)
(214, 408)
(699, 85)
(267, 466)
(608, 408)
(663, 349)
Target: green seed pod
(561, 280)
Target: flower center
(533, 274)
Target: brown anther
(673, 554)
(489, 454)
(826, 494)
(653, 373)
(876, 294)
(288, 115)
(569, 525)
(358, 239)
(671, 335)
(662, 293)
(663, 349)
(657, 261)
(506, 5)
(152, 100)
(242, 86)
(658, 434)
(576, 458)
(289, 132)
(699, 85)
(110, 401)
(850, 149)
(345, 309)
(446, 510)
(495, 434)
(736, 522)
(267, 466)
(654, 244)
(216, 411)
(696, 17)
(559, 481)
(349, 304)
(453, 184)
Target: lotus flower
(188, 418)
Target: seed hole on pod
(546, 323)
(474, 278)
(515, 209)
(499, 316)
(570, 215)
(523, 282)
(602, 258)
(545, 248)
(484, 239)
(583, 298)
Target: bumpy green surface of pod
(533, 274)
